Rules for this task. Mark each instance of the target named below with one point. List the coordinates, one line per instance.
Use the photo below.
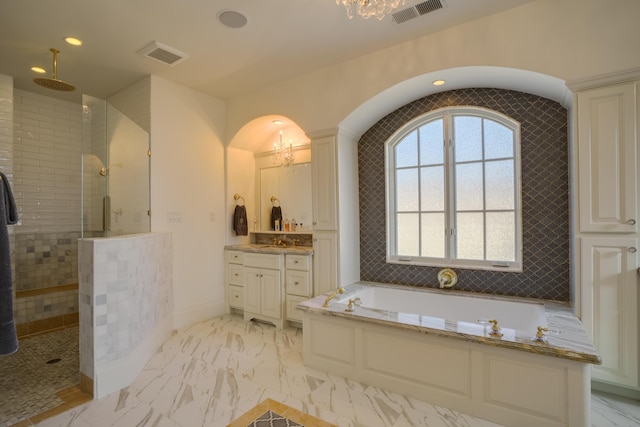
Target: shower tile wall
(545, 197)
(47, 189)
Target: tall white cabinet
(336, 235)
(607, 205)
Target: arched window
(453, 191)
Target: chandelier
(369, 8)
(283, 154)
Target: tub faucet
(333, 294)
(447, 278)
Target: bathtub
(436, 347)
(522, 316)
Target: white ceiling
(283, 38)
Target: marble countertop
(566, 338)
(271, 249)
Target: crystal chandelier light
(283, 154)
(369, 8)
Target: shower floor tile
(28, 384)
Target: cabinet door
(271, 287)
(252, 292)
(607, 159)
(325, 259)
(610, 305)
(323, 183)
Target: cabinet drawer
(297, 262)
(298, 283)
(235, 257)
(234, 272)
(236, 296)
(272, 262)
(292, 312)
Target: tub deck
(572, 341)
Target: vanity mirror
(292, 188)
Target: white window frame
(447, 115)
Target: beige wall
(187, 181)
(566, 39)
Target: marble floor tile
(212, 372)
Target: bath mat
(270, 413)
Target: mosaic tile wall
(38, 307)
(46, 259)
(545, 197)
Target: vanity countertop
(271, 249)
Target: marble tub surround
(566, 338)
(271, 249)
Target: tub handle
(540, 334)
(353, 302)
(495, 329)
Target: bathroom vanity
(265, 281)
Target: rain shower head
(54, 83)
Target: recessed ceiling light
(73, 41)
(232, 18)
(277, 122)
(438, 82)
(38, 70)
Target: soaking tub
(437, 346)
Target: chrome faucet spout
(333, 294)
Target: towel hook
(236, 197)
(274, 200)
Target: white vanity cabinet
(298, 283)
(607, 159)
(234, 280)
(607, 123)
(610, 305)
(263, 293)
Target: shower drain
(52, 361)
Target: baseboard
(197, 313)
(631, 393)
(121, 373)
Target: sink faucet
(340, 290)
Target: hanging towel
(240, 221)
(276, 214)
(10, 204)
(8, 215)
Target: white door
(323, 183)
(252, 291)
(271, 293)
(325, 259)
(607, 159)
(610, 305)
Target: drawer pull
(631, 222)
(632, 250)
(295, 261)
(296, 283)
(235, 274)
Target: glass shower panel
(115, 183)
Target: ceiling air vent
(417, 10)
(163, 53)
